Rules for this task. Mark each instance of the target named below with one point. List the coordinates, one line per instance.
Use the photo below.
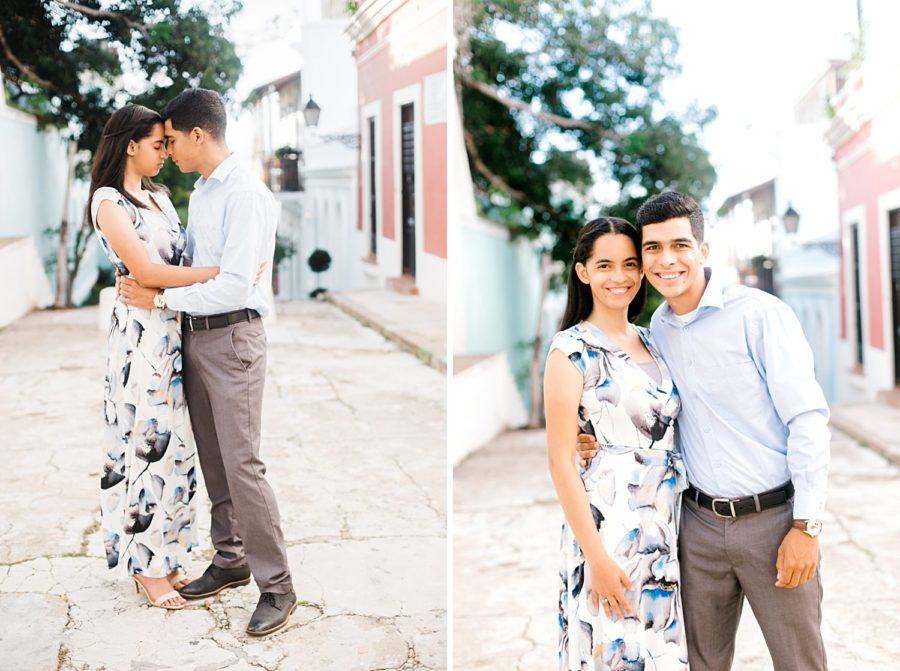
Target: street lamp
(311, 114)
(791, 220)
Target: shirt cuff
(809, 505)
(175, 299)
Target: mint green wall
(501, 286)
(32, 179)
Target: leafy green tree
(72, 64)
(559, 96)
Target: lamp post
(791, 220)
(311, 112)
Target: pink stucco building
(401, 55)
(865, 137)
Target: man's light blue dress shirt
(232, 218)
(753, 415)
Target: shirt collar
(220, 174)
(712, 297)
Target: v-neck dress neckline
(612, 347)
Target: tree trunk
(63, 295)
(82, 238)
(536, 417)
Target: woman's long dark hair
(580, 301)
(132, 122)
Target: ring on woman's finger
(604, 600)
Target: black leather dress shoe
(214, 580)
(272, 612)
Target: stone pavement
(362, 500)
(506, 525)
(418, 325)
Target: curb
(406, 344)
(864, 438)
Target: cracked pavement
(506, 524)
(361, 492)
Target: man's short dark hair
(197, 108)
(671, 205)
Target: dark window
(408, 194)
(857, 294)
(894, 222)
(373, 211)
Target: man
(232, 218)
(753, 433)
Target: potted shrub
(319, 261)
(289, 160)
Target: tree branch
(488, 174)
(24, 69)
(497, 181)
(104, 14)
(512, 103)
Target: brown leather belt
(192, 323)
(744, 505)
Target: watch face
(813, 527)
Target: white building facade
(319, 208)
(801, 266)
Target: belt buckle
(190, 321)
(730, 503)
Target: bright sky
(751, 60)
(266, 37)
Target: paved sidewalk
(419, 326)
(506, 539)
(362, 500)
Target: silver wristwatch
(809, 527)
(159, 300)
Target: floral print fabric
(148, 479)
(633, 486)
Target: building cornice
(867, 94)
(369, 16)
(851, 112)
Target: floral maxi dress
(148, 479)
(634, 488)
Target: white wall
(808, 283)
(322, 217)
(485, 394)
(330, 165)
(23, 284)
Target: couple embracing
(704, 451)
(185, 333)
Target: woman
(149, 476)
(620, 605)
